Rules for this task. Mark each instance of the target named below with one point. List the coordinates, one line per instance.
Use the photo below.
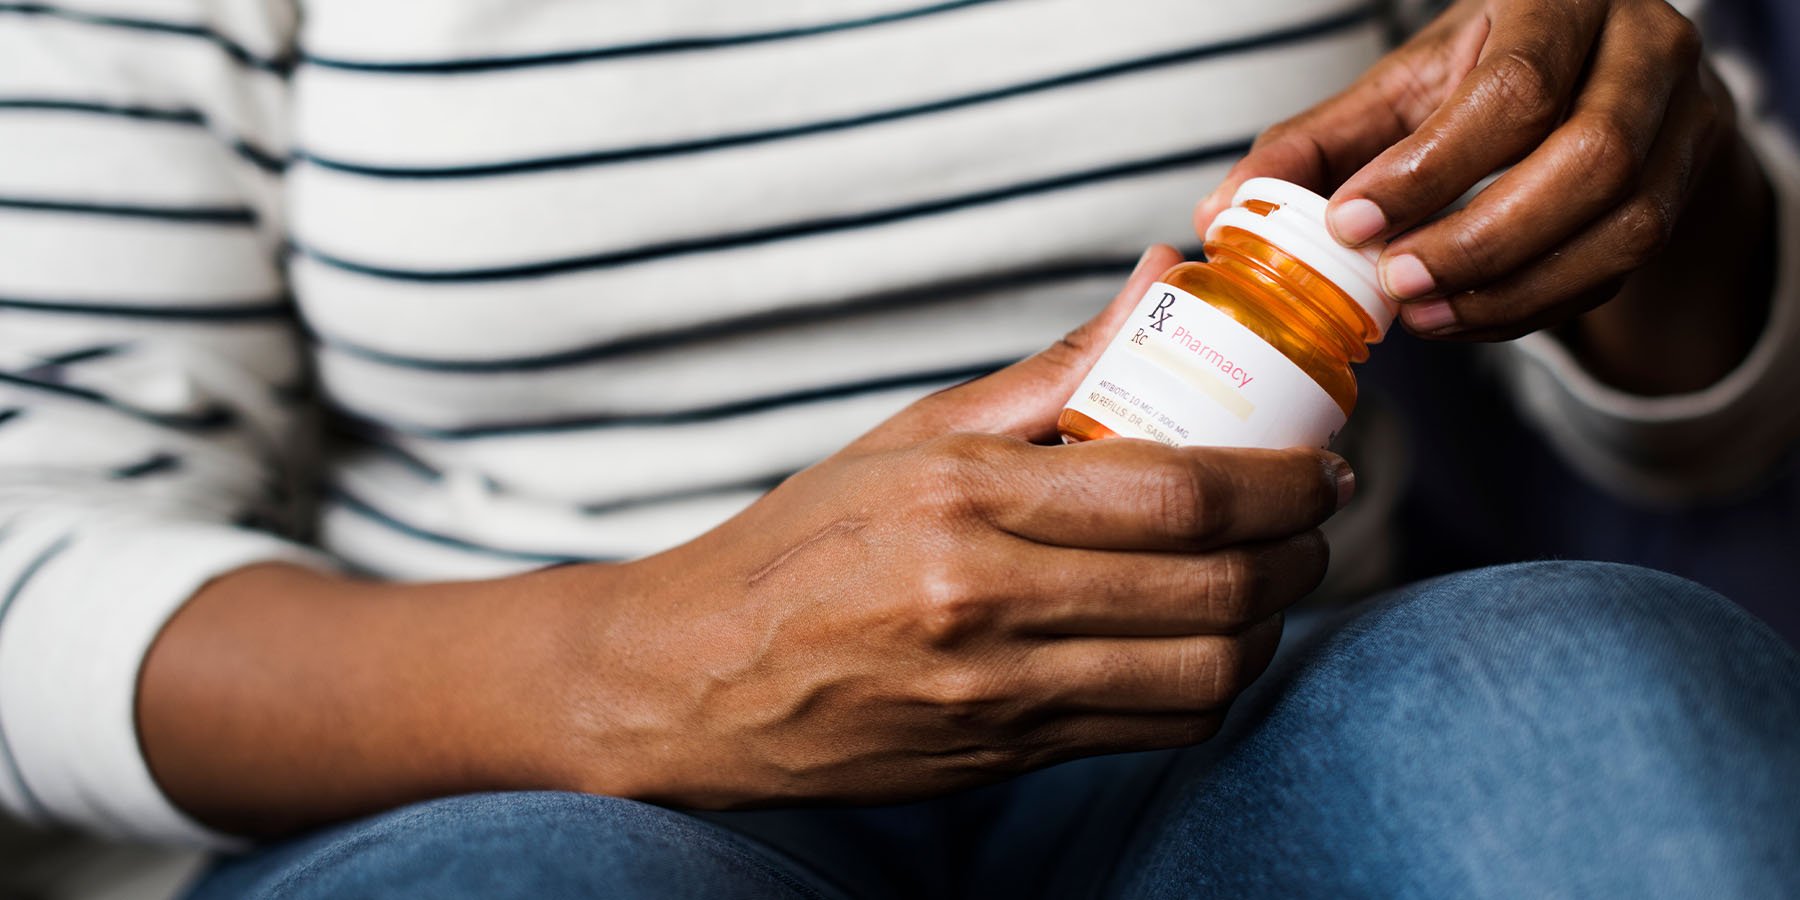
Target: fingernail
(1355, 222)
(1429, 316)
(1211, 206)
(1214, 196)
(1143, 260)
(1346, 483)
(1405, 277)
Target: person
(675, 462)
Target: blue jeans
(1535, 730)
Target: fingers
(1326, 144)
(1145, 675)
(1023, 399)
(1140, 495)
(1496, 80)
(1316, 149)
(1588, 269)
(1099, 733)
(1530, 64)
(1058, 697)
(1085, 696)
(1057, 591)
(1587, 166)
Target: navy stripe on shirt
(257, 156)
(369, 511)
(83, 354)
(773, 233)
(714, 412)
(206, 215)
(1323, 27)
(211, 418)
(642, 48)
(362, 437)
(739, 326)
(51, 368)
(760, 484)
(150, 465)
(191, 312)
(236, 51)
(146, 113)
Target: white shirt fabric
(433, 289)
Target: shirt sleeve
(1684, 448)
(153, 426)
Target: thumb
(1023, 399)
(1323, 146)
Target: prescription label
(1184, 373)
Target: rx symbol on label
(1161, 313)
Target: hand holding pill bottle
(1251, 348)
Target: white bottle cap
(1297, 226)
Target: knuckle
(1314, 553)
(960, 694)
(1290, 146)
(1209, 673)
(1408, 84)
(949, 609)
(1644, 227)
(1472, 257)
(960, 451)
(1183, 501)
(941, 505)
(951, 472)
(1074, 349)
(1234, 585)
(1276, 134)
(1524, 80)
(1607, 156)
(1678, 34)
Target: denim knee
(536, 844)
(1629, 598)
(1542, 707)
(1573, 640)
(1545, 729)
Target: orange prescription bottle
(1251, 348)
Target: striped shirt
(433, 289)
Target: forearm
(280, 697)
(1688, 318)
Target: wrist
(279, 697)
(1691, 316)
(511, 679)
(599, 720)
(641, 706)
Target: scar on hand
(838, 528)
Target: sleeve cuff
(1683, 447)
(86, 606)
